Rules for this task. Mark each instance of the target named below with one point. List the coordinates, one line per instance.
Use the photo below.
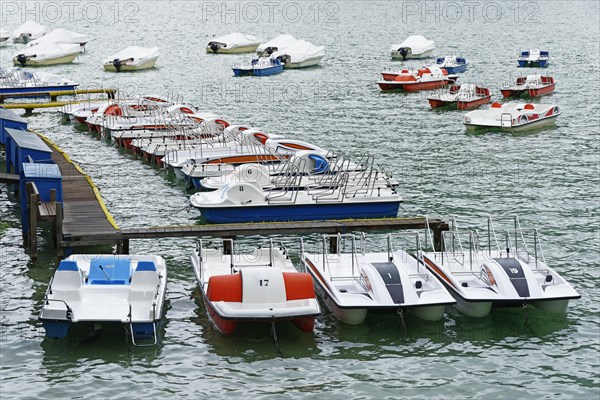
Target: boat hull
(258, 72)
(507, 93)
(552, 306)
(540, 123)
(227, 326)
(69, 58)
(457, 69)
(310, 62)
(236, 50)
(412, 87)
(109, 67)
(397, 56)
(459, 105)
(533, 64)
(295, 212)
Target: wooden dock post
(59, 229)
(34, 199)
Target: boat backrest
(262, 285)
(68, 276)
(109, 270)
(145, 277)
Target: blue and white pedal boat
(263, 66)
(339, 199)
(353, 282)
(534, 58)
(452, 64)
(17, 82)
(491, 271)
(106, 289)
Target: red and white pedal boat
(530, 86)
(462, 97)
(412, 81)
(512, 117)
(260, 285)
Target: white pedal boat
(106, 289)
(261, 285)
(415, 46)
(340, 199)
(46, 53)
(504, 272)
(354, 283)
(512, 117)
(132, 58)
(233, 43)
(27, 32)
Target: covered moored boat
(233, 43)
(133, 58)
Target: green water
(549, 177)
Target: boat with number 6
(259, 285)
(106, 289)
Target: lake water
(549, 177)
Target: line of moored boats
(261, 283)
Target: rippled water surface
(549, 177)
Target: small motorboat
(27, 32)
(263, 66)
(17, 81)
(340, 198)
(529, 86)
(452, 64)
(352, 282)
(258, 285)
(509, 271)
(61, 36)
(46, 53)
(512, 117)
(132, 58)
(106, 289)
(415, 46)
(534, 58)
(301, 54)
(4, 36)
(461, 97)
(233, 43)
(411, 80)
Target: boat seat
(109, 271)
(142, 290)
(68, 277)
(263, 285)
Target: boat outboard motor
(284, 59)
(214, 46)
(26, 37)
(270, 50)
(117, 64)
(404, 52)
(22, 58)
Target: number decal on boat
(263, 282)
(514, 270)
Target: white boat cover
(49, 51)
(417, 43)
(236, 40)
(282, 42)
(30, 27)
(300, 51)
(61, 36)
(139, 54)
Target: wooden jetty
(53, 95)
(82, 219)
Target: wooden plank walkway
(83, 208)
(265, 228)
(54, 94)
